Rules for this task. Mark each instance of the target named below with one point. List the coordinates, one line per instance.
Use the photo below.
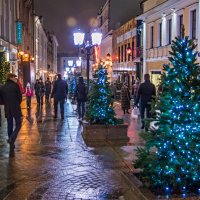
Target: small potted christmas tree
(170, 160)
(100, 113)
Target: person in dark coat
(125, 98)
(60, 89)
(12, 99)
(39, 91)
(47, 90)
(145, 95)
(81, 97)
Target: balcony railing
(158, 52)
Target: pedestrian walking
(29, 94)
(135, 88)
(125, 98)
(39, 91)
(145, 95)
(47, 90)
(81, 97)
(59, 94)
(12, 99)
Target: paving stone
(51, 161)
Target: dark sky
(63, 17)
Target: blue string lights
(100, 107)
(175, 165)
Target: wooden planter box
(105, 132)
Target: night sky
(63, 17)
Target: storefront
(155, 69)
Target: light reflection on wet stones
(52, 154)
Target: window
(152, 35)
(118, 54)
(193, 23)
(129, 52)
(122, 49)
(101, 21)
(169, 31)
(133, 53)
(181, 27)
(160, 34)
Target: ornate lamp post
(79, 40)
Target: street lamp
(79, 40)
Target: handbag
(135, 112)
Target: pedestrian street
(51, 160)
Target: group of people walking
(11, 97)
(143, 94)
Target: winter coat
(12, 99)
(39, 89)
(29, 92)
(146, 92)
(81, 92)
(125, 98)
(60, 90)
(47, 87)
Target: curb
(134, 191)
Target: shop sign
(19, 32)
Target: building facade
(9, 14)
(162, 22)
(126, 57)
(41, 40)
(111, 22)
(25, 21)
(55, 53)
(52, 45)
(16, 37)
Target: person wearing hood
(29, 94)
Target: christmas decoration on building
(4, 67)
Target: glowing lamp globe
(96, 38)
(78, 38)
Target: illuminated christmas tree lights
(4, 68)
(100, 106)
(170, 159)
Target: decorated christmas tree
(100, 106)
(170, 159)
(4, 68)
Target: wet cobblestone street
(51, 161)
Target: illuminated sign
(19, 32)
